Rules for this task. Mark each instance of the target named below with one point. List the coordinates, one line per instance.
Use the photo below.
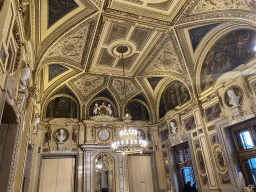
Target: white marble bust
(25, 74)
(174, 128)
(234, 99)
(61, 137)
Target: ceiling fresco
(79, 39)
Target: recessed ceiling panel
(140, 37)
(128, 61)
(159, 9)
(117, 31)
(105, 58)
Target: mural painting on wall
(62, 107)
(233, 96)
(190, 123)
(220, 162)
(213, 112)
(164, 135)
(138, 111)
(200, 161)
(175, 94)
(230, 51)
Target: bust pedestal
(237, 110)
(60, 146)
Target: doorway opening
(104, 173)
(185, 169)
(8, 132)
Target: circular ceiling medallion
(88, 83)
(69, 47)
(128, 48)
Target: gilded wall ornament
(219, 159)
(200, 161)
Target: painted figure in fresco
(230, 51)
(234, 99)
(109, 110)
(184, 93)
(176, 93)
(60, 110)
(62, 107)
(174, 128)
(96, 109)
(61, 137)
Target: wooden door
(140, 174)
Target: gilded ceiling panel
(70, 46)
(117, 31)
(166, 60)
(217, 5)
(128, 61)
(86, 83)
(105, 58)
(118, 85)
(140, 37)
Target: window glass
(246, 139)
(188, 175)
(187, 154)
(181, 156)
(252, 163)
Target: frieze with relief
(217, 5)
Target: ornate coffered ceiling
(165, 38)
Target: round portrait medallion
(103, 134)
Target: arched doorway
(104, 173)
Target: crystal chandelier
(128, 142)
